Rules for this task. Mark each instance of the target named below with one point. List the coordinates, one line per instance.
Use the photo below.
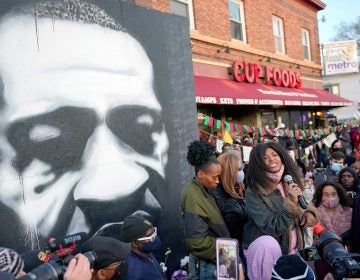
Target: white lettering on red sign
(225, 100)
(203, 99)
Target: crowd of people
(257, 202)
(271, 202)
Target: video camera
(331, 249)
(57, 256)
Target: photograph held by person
(272, 207)
(229, 195)
(202, 218)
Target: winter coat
(270, 214)
(340, 222)
(203, 221)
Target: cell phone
(227, 259)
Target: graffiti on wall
(84, 138)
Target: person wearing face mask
(338, 146)
(330, 200)
(330, 173)
(142, 236)
(229, 195)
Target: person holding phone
(273, 209)
(202, 218)
(229, 195)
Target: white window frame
(189, 4)
(242, 17)
(306, 34)
(278, 37)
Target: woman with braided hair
(202, 218)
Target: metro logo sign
(252, 72)
(340, 57)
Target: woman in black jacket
(229, 195)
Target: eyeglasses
(151, 237)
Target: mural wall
(97, 108)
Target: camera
(58, 254)
(54, 270)
(331, 249)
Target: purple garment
(261, 256)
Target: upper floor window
(305, 39)
(332, 88)
(237, 20)
(183, 8)
(278, 30)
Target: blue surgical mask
(335, 167)
(152, 246)
(240, 176)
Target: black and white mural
(97, 108)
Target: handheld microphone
(302, 202)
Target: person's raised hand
(78, 269)
(308, 220)
(293, 192)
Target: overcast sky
(335, 12)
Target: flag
(227, 138)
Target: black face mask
(121, 271)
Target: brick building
(257, 62)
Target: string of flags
(233, 127)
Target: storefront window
(268, 118)
(295, 120)
(283, 119)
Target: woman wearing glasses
(142, 236)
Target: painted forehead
(72, 10)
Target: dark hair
(352, 172)
(338, 155)
(256, 177)
(339, 189)
(334, 142)
(201, 155)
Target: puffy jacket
(203, 221)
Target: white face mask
(240, 176)
(308, 192)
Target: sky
(336, 11)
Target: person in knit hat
(142, 236)
(291, 267)
(11, 262)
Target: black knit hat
(107, 249)
(135, 227)
(10, 261)
(291, 267)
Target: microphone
(68, 241)
(302, 202)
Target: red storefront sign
(252, 72)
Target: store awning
(220, 91)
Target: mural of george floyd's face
(81, 129)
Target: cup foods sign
(340, 57)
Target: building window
(237, 20)
(183, 8)
(334, 89)
(305, 39)
(278, 31)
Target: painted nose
(107, 172)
